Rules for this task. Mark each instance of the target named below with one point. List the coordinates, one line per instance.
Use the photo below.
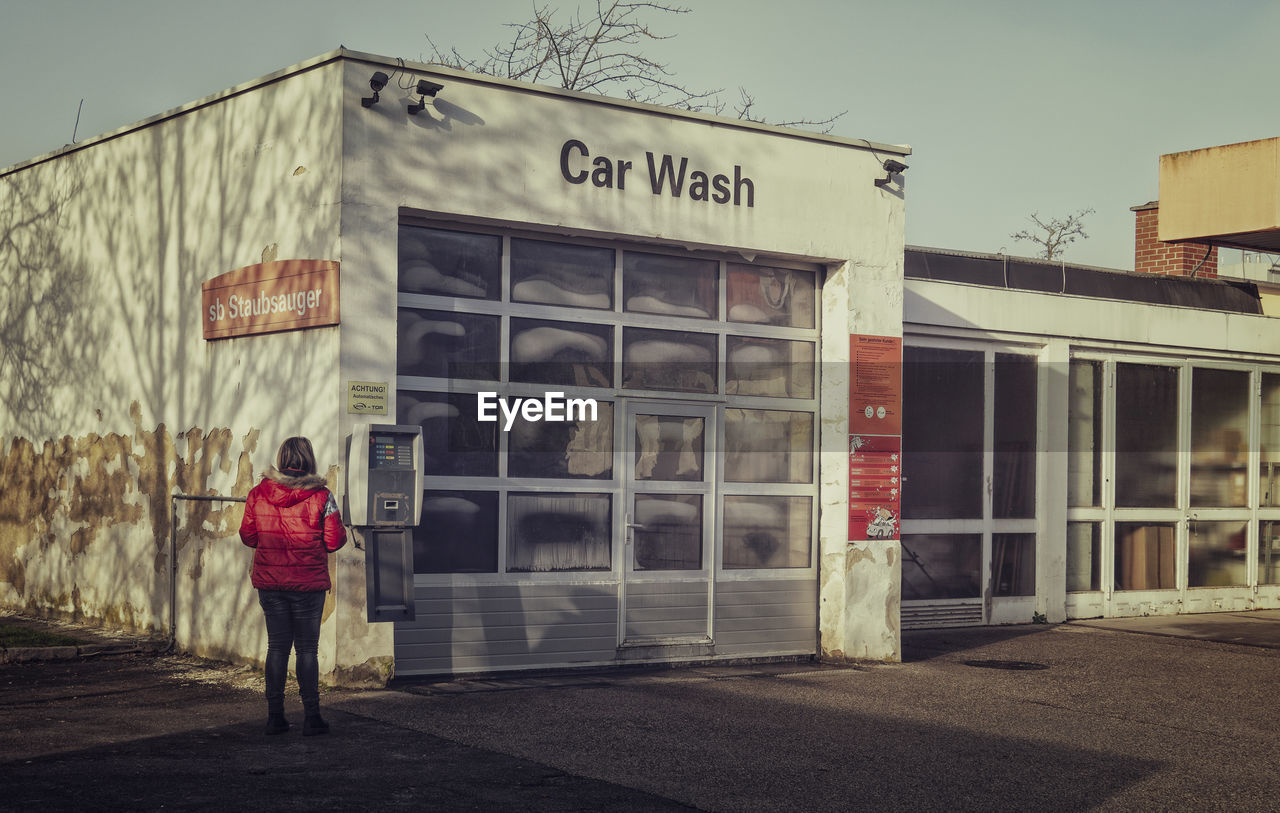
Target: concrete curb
(28, 654)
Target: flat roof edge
(235, 90)
(441, 70)
(610, 101)
(982, 255)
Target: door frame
(708, 487)
(994, 609)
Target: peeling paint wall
(859, 590)
(110, 398)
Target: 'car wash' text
(664, 174)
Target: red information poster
(875, 385)
(875, 436)
(874, 478)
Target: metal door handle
(630, 526)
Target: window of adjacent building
(1084, 556)
(1013, 564)
(1269, 443)
(1219, 437)
(942, 438)
(1145, 556)
(940, 566)
(1014, 470)
(1146, 436)
(1216, 554)
(1269, 552)
(1084, 433)
(1182, 443)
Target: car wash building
(630, 337)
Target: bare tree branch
(1054, 234)
(602, 53)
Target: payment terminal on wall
(384, 503)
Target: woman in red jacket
(292, 523)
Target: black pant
(293, 622)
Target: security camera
(378, 81)
(426, 88)
(891, 167)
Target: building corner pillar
(364, 652)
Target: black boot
(314, 724)
(276, 723)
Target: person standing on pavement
(291, 520)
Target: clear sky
(1010, 106)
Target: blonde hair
(296, 457)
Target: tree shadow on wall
(49, 332)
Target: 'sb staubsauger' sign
(270, 298)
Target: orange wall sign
(270, 298)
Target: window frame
(617, 318)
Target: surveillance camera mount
(425, 88)
(376, 83)
(891, 167)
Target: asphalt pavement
(1079, 716)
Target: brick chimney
(1171, 259)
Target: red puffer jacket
(293, 525)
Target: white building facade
(700, 280)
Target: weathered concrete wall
(111, 400)
(860, 589)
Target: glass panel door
(969, 489)
(1142, 572)
(1216, 558)
(1267, 493)
(668, 522)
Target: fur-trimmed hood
(292, 489)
